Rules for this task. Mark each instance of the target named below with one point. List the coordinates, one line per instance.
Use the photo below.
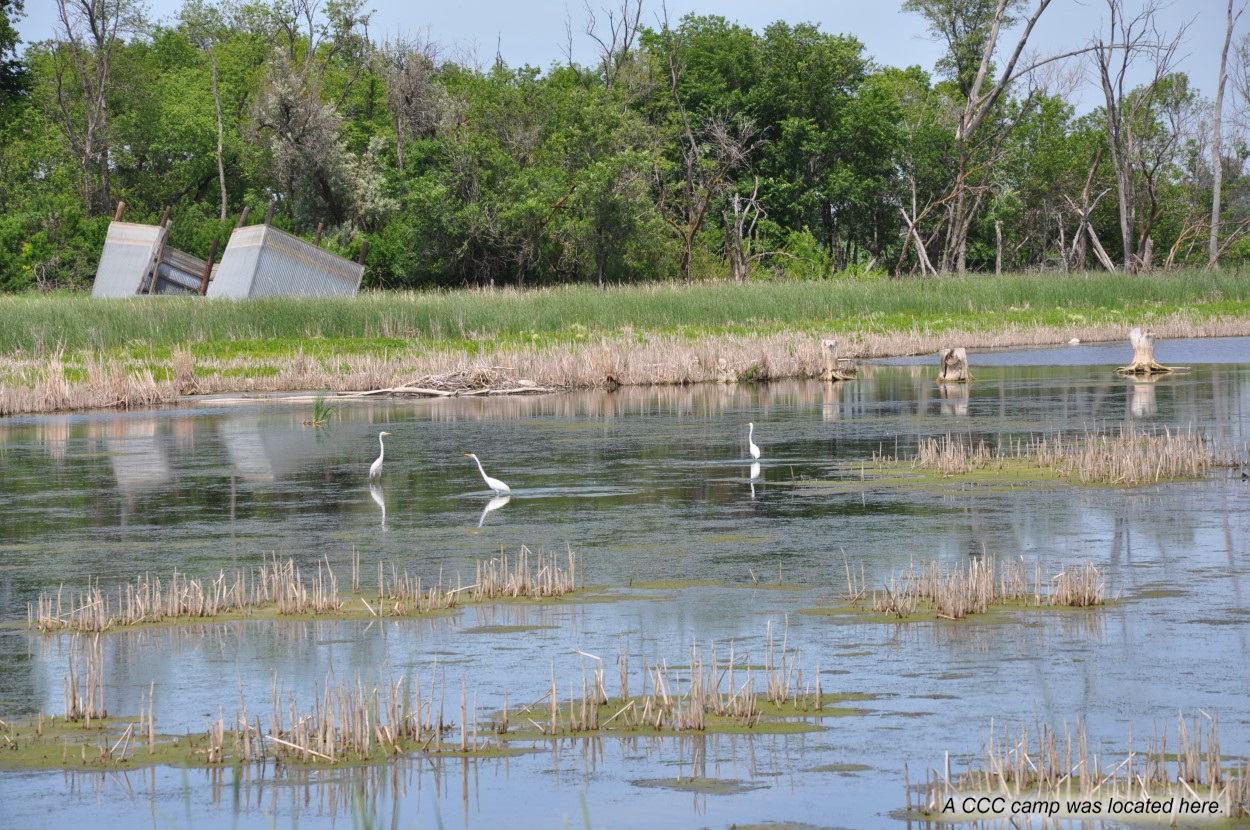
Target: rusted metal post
(269, 214)
(243, 217)
(208, 268)
(364, 252)
(165, 217)
(320, 227)
(117, 214)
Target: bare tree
(1128, 111)
(982, 96)
(1217, 158)
(616, 40)
(416, 101)
(91, 31)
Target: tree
(1129, 113)
(1217, 150)
(14, 75)
(93, 31)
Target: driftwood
(1144, 363)
(835, 368)
(470, 383)
(954, 366)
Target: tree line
(685, 149)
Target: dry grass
(1039, 763)
(283, 587)
(1127, 456)
(955, 592)
(38, 382)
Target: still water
(647, 486)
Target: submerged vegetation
(358, 723)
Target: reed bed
(64, 353)
(953, 592)
(1038, 763)
(283, 587)
(1127, 456)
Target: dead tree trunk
(1217, 160)
(954, 366)
(1143, 341)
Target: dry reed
(283, 587)
(1128, 456)
(954, 592)
(1039, 763)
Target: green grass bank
(70, 351)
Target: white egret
(755, 451)
(493, 483)
(375, 469)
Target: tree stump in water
(954, 366)
(835, 369)
(1143, 354)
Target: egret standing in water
(755, 451)
(493, 483)
(375, 469)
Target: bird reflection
(375, 490)
(494, 504)
(755, 473)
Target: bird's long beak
(468, 455)
(386, 433)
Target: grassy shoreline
(69, 352)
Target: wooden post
(208, 268)
(364, 252)
(243, 217)
(320, 228)
(117, 214)
(834, 371)
(269, 214)
(1143, 342)
(954, 366)
(155, 274)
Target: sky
(534, 31)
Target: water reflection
(645, 485)
(375, 491)
(492, 505)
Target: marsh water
(684, 544)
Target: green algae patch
(505, 629)
(701, 786)
(105, 744)
(841, 769)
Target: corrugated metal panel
(180, 272)
(262, 261)
(129, 253)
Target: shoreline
(55, 383)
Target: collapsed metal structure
(259, 261)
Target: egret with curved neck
(755, 451)
(375, 469)
(493, 483)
